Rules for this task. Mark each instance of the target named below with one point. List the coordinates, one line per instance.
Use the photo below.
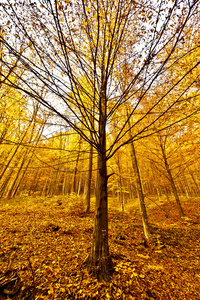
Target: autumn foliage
(99, 99)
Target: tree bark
(172, 183)
(74, 182)
(145, 222)
(99, 260)
(121, 198)
(13, 188)
(89, 181)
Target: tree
(162, 144)
(58, 43)
(89, 180)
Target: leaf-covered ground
(44, 242)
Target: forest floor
(44, 242)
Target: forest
(99, 149)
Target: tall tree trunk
(11, 192)
(45, 189)
(4, 185)
(50, 186)
(79, 184)
(172, 183)
(146, 227)
(121, 198)
(89, 181)
(35, 181)
(65, 182)
(186, 186)
(193, 178)
(15, 151)
(74, 182)
(99, 260)
(145, 222)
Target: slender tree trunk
(50, 187)
(145, 222)
(35, 181)
(172, 183)
(121, 198)
(89, 181)
(193, 178)
(146, 227)
(56, 181)
(15, 151)
(14, 185)
(29, 160)
(79, 184)
(5, 185)
(74, 182)
(11, 192)
(65, 182)
(46, 185)
(186, 186)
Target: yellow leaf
(119, 292)
(143, 256)
(50, 291)
(134, 274)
